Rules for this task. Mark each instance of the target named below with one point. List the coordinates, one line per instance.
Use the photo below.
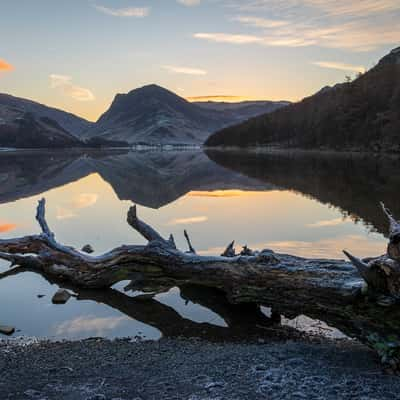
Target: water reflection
(355, 183)
(306, 204)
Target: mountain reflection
(353, 183)
(151, 179)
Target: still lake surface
(308, 204)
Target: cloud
(340, 66)
(84, 200)
(184, 70)
(218, 97)
(189, 3)
(360, 8)
(189, 220)
(228, 38)
(137, 12)
(7, 227)
(260, 22)
(64, 213)
(91, 324)
(80, 201)
(218, 193)
(350, 25)
(326, 223)
(5, 66)
(64, 83)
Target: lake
(307, 204)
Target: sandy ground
(193, 370)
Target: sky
(77, 54)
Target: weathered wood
(332, 288)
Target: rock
(88, 249)
(7, 330)
(61, 297)
(31, 393)
(40, 296)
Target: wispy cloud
(189, 220)
(228, 38)
(137, 12)
(273, 41)
(340, 66)
(327, 223)
(346, 24)
(89, 324)
(351, 7)
(84, 200)
(80, 201)
(184, 70)
(218, 193)
(65, 84)
(65, 213)
(5, 66)
(218, 97)
(260, 22)
(189, 3)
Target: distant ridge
(359, 115)
(149, 115)
(154, 115)
(70, 122)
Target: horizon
(85, 52)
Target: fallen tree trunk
(361, 301)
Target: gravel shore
(192, 370)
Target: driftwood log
(359, 298)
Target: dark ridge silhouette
(354, 183)
(359, 115)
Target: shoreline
(193, 369)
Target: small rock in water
(61, 297)
(7, 330)
(88, 249)
(40, 296)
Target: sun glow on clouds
(224, 98)
(189, 220)
(339, 66)
(328, 222)
(80, 201)
(64, 83)
(7, 227)
(5, 66)
(220, 193)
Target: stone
(7, 330)
(88, 249)
(61, 297)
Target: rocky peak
(392, 58)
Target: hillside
(69, 122)
(359, 115)
(21, 129)
(154, 115)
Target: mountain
(154, 115)
(359, 115)
(243, 110)
(69, 122)
(20, 129)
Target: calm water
(307, 204)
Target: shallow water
(312, 205)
